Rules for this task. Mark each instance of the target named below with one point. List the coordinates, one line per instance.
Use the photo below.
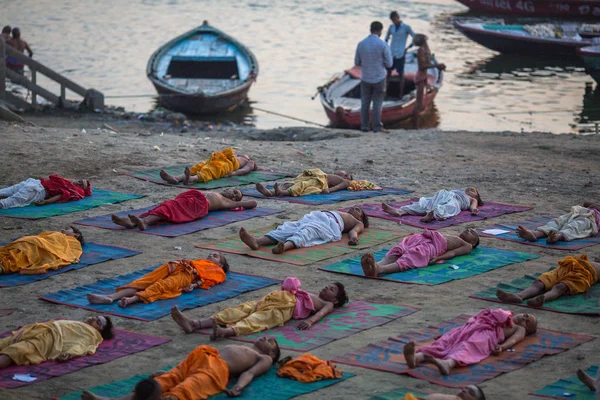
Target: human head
(16, 33)
(233, 194)
(470, 236)
(219, 259)
(471, 392)
(6, 31)
(334, 293)
(376, 28)
(268, 346)
(474, 193)
(147, 389)
(527, 321)
(419, 39)
(76, 233)
(395, 17)
(103, 324)
(360, 215)
(343, 174)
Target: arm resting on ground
(261, 367)
(515, 338)
(461, 251)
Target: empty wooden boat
(537, 8)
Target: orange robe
(39, 254)
(202, 374)
(167, 281)
(575, 272)
(308, 368)
(220, 164)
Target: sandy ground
(546, 171)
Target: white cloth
(444, 204)
(580, 223)
(22, 194)
(318, 227)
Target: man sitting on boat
(219, 165)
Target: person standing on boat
(21, 46)
(398, 32)
(425, 62)
(374, 56)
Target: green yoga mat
(266, 387)
(99, 197)
(481, 260)
(569, 388)
(398, 394)
(153, 175)
(586, 303)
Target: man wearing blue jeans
(398, 32)
(374, 56)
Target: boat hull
(534, 8)
(591, 58)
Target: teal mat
(266, 387)
(398, 394)
(99, 197)
(481, 260)
(569, 388)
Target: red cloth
(57, 185)
(186, 207)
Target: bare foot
(263, 190)
(184, 322)
(124, 302)
(553, 237)
(279, 248)
(526, 234)
(537, 301)
(409, 354)
(508, 297)
(217, 331)
(587, 380)
(278, 192)
(86, 395)
(391, 210)
(168, 177)
(186, 176)
(369, 266)
(126, 222)
(96, 299)
(443, 365)
(428, 218)
(139, 222)
(248, 239)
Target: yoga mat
(330, 198)
(584, 303)
(4, 313)
(489, 210)
(398, 394)
(153, 175)
(481, 260)
(569, 388)
(387, 355)
(342, 322)
(93, 253)
(304, 256)
(212, 220)
(534, 223)
(266, 387)
(99, 197)
(123, 344)
(234, 285)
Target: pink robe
(416, 250)
(474, 341)
(304, 304)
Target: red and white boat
(341, 95)
(537, 8)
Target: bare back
(240, 359)
(18, 44)
(454, 242)
(244, 159)
(333, 180)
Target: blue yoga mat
(330, 198)
(234, 285)
(93, 253)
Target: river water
(299, 45)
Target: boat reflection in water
(588, 120)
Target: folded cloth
(310, 181)
(308, 368)
(186, 207)
(220, 164)
(575, 272)
(362, 185)
(304, 304)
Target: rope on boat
(287, 116)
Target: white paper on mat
(495, 231)
(24, 377)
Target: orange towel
(308, 368)
(202, 374)
(220, 164)
(410, 396)
(575, 272)
(167, 282)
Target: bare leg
(587, 380)
(263, 190)
(529, 234)
(283, 247)
(445, 366)
(281, 191)
(5, 361)
(188, 177)
(87, 395)
(165, 176)
(418, 104)
(123, 221)
(219, 332)
(187, 324)
(535, 289)
(428, 217)
(554, 237)
(109, 299)
(143, 223)
(552, 294)
(127, 301)
(392, 211)
(412, 359)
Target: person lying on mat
(205, 372)
(272, 310)
(470, 392)
(169, 280)
(589, 381)
(42, 253)
(55, 189)
(186, 207)
(58, 340)
(311, 181)
(580, 223)
(318, 227)
(420, 250)
(574, 275)
(443, 205)
(219, 165)
(491, 331)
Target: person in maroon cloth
(55, 189)
(186, 207)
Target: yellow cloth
(220, 164)
(410, 396)
(275, 309)
(36, 343)
(39, 254)
(575, 272)
(202, 374)
(166, 283)
(311, 181)
(362, 185)
(308, 368)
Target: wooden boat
(537, 8)
(203, 71)
(340, 96)
(591, 58)
(515, 39)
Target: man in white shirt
(398, 32)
